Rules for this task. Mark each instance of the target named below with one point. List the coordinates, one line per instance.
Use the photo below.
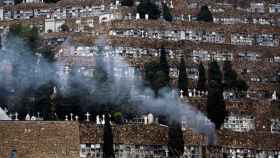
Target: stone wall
(39, 139)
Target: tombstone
(137, 16)
(129, 16)
(194, 92)
(87, 116)
(145, 120)
(181, 94)
(150, 118)
(66, 118)
(16, 114)
(146, 16)
(247, 94)
(76, 117)
(199, 93)
(71, 116)
(27, 117)
(202, 93)
(97, 120)
(190, 93)
(33, 118)
(274, 96)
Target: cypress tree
(167, 13)
(183, 78)
(231, 80)
(163, 63)
(128, 3)
(148, 7)
(230, 75)
(175, 140)
(216, 110)
(108, 149)
(201, 78)
(214, 72)
(205, 14)
(156, 78)
(157, 73)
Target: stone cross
(87, 115)
(71, 116)
(189, 17)
(16, 114)
(194, 92)
(77, 117)
(181, 94)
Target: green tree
(230, 76)
(167, 13)
(118, 117)
(155, 77)
(175, 140)
(183, 77)
(201, 78)
(64, 28)
(231, 80)
(204, 14)
(216, 110)
(18, 1)
(45, 102)
(148, 7)
(128, 3)
(214, 72)
(157, 74)
(241, 85)
(163, 63)
(108, 150)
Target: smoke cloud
(3, 115)
(25, 69)
(126, 84)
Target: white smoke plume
(124, 84)
(3, 115)
(125, 81)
